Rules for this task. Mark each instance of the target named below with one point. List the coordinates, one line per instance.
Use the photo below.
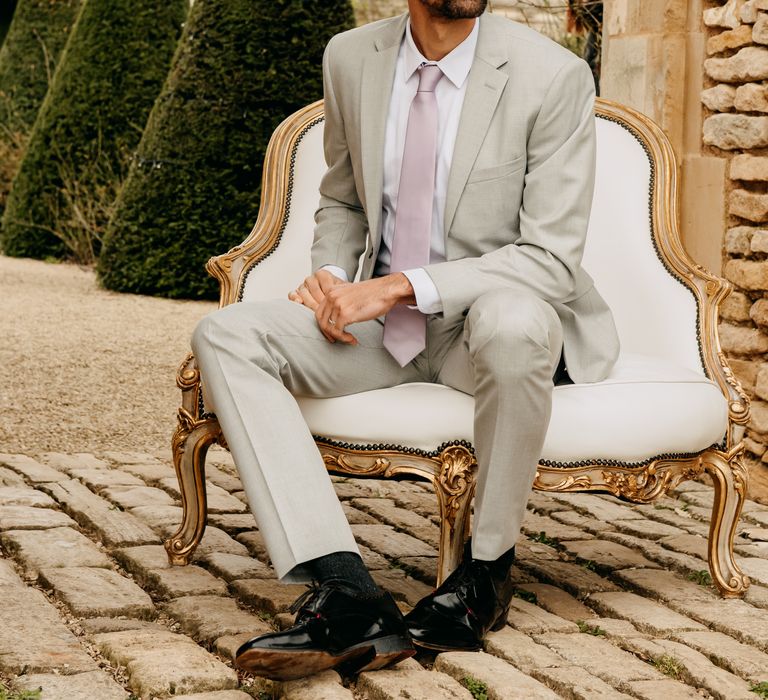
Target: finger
(306, 298)
(295, 298)
(319, 311)
(327, 280)
(312, 286)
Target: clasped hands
(338, 304)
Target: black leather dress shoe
(336, 627)
(473, 600)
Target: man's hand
(338, 304)
(313, 289)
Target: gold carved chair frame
(451, 468)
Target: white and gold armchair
(669, 411)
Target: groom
(461, 151)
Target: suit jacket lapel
(378, 76)
(484, 87)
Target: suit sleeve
(340, 222)
(556, 202)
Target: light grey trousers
(254, 356)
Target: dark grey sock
(344, 566)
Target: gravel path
(83, 369)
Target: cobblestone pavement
(613, 600)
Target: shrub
(91, 120)
(28, 58)
(193, 190)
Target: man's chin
(455, 9)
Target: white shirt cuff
(336, 271)
(428, 299)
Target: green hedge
(110, 73)
(28, 57)
(242, 67)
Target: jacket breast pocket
(496, 171)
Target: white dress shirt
(449, 94)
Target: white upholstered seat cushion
(645, 408)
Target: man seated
(461, 152)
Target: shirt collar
(455, 65)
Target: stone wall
(736, 128)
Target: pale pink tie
(405, 330)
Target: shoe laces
(302, 604)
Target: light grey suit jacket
(520, 185)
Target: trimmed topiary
(28, 58)
(193, 190)
(110, 73)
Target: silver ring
(331, 322)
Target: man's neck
(436, 36)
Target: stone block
(82, 686)
(606, 510)
(644, 614)
(93, 512)
(215, 540)
(149, 564)
(531, 619)
(558, 602)
(92, 592)
(521, 651)
(98, 479)
(160, 663)
(66, 462)
(607, 555)
(725, 15)
(748, 64)
(751, 98)
(748, 205)
(742, 340)
(8, 477)
(577, 520)
(667, 558)
(758, 312)
(322, 686)
(219, 500)
(649, 529)
(573, 578)
(421, 684)
(159, 517)
(748, 167)
(748, 14)
(497, 675)
(740, 659)
(760, 29)
(576, 683)
(730, 39)
(534, 525)
(208, 617)
(736, 131)
(401, 587)
(149, 473)
(387, 512)
(386, 540)
(128, 497)
(232, 523)
(33, 639)
(758, 417)
(667, 689)
(234, 566)
(269, 596)
(737, 239)
(695, 668)
(217, 695)
(54, 547)
(759, 243)
(124, 458)
(599, 658)
(719, 98)
(33, 470)
(31, 518)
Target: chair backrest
(633, 249)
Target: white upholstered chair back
(655, 312)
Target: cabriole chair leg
(730, 479)
(455, 486)
(190, 446)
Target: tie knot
(429, 77)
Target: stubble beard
(455, 9)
